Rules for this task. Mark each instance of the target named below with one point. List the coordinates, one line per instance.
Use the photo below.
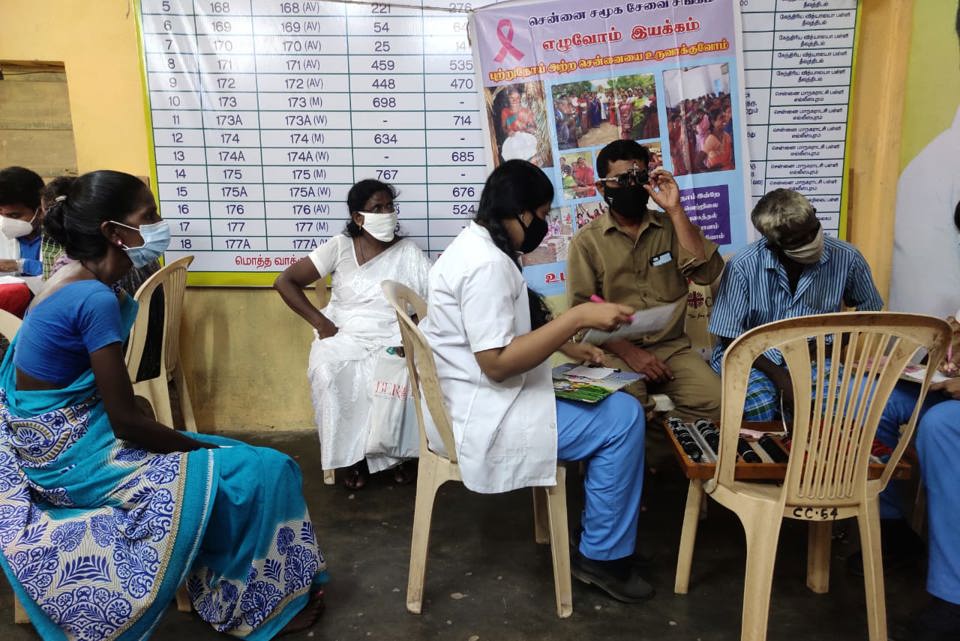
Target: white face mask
(807, 254)
(383, 227)
(14, 228)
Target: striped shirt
(754, 290)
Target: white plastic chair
(173, 280)
(859, 357)
(549, 503)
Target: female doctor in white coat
(509, 427)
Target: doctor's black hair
(512, 188)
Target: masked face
(383, 226)
(156, 239)
(624, 192)
(629, 202)
(15, 228)
(533, 234)
(809, 253)
(806, 245)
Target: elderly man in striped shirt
(793, 270)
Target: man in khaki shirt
(642, 258)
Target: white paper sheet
(647, 321)
(592, 373)
(916, 373)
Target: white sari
(341, 368)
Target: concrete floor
(487, 580)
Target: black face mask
(629, 201)
(533, 234)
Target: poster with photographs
(562, 81)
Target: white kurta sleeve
(324, 257)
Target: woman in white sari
(357, 340)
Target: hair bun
(54, 223)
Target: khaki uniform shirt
(651, 271)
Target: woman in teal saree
(103, 511)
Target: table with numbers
(265, 112)
(798, 60)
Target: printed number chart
(264, 112)
(798, 60)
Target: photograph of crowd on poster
(592, 113)
(518, 122)
(700, 117)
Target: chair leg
(868, 522)
(818, 556)
(560, 543)
(183, 600)
(19, 613)
(763, 533)
(541, 519)
(688, 536)
(329, 477)
(183, 393)
(427, 485)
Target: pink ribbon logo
(505, 36)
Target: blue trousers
(609, 438)
(938, 445)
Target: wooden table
(820, 532)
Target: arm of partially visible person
(30, 267)
(860, 291)
(9, 265)
(664, 191)
(950, 387)
(291, 281)
(730, 317)
(127, 421)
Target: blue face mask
(156, 239)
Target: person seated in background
(793, 270)
(111, 510)
(938, 448)
(492, 340)
(20, 218)
(642, 258)
(356, 334)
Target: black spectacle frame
(627, 178)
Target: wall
(245, 353)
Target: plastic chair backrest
(9, 325)
(173, 278)
(421, 364)
(858, 358)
